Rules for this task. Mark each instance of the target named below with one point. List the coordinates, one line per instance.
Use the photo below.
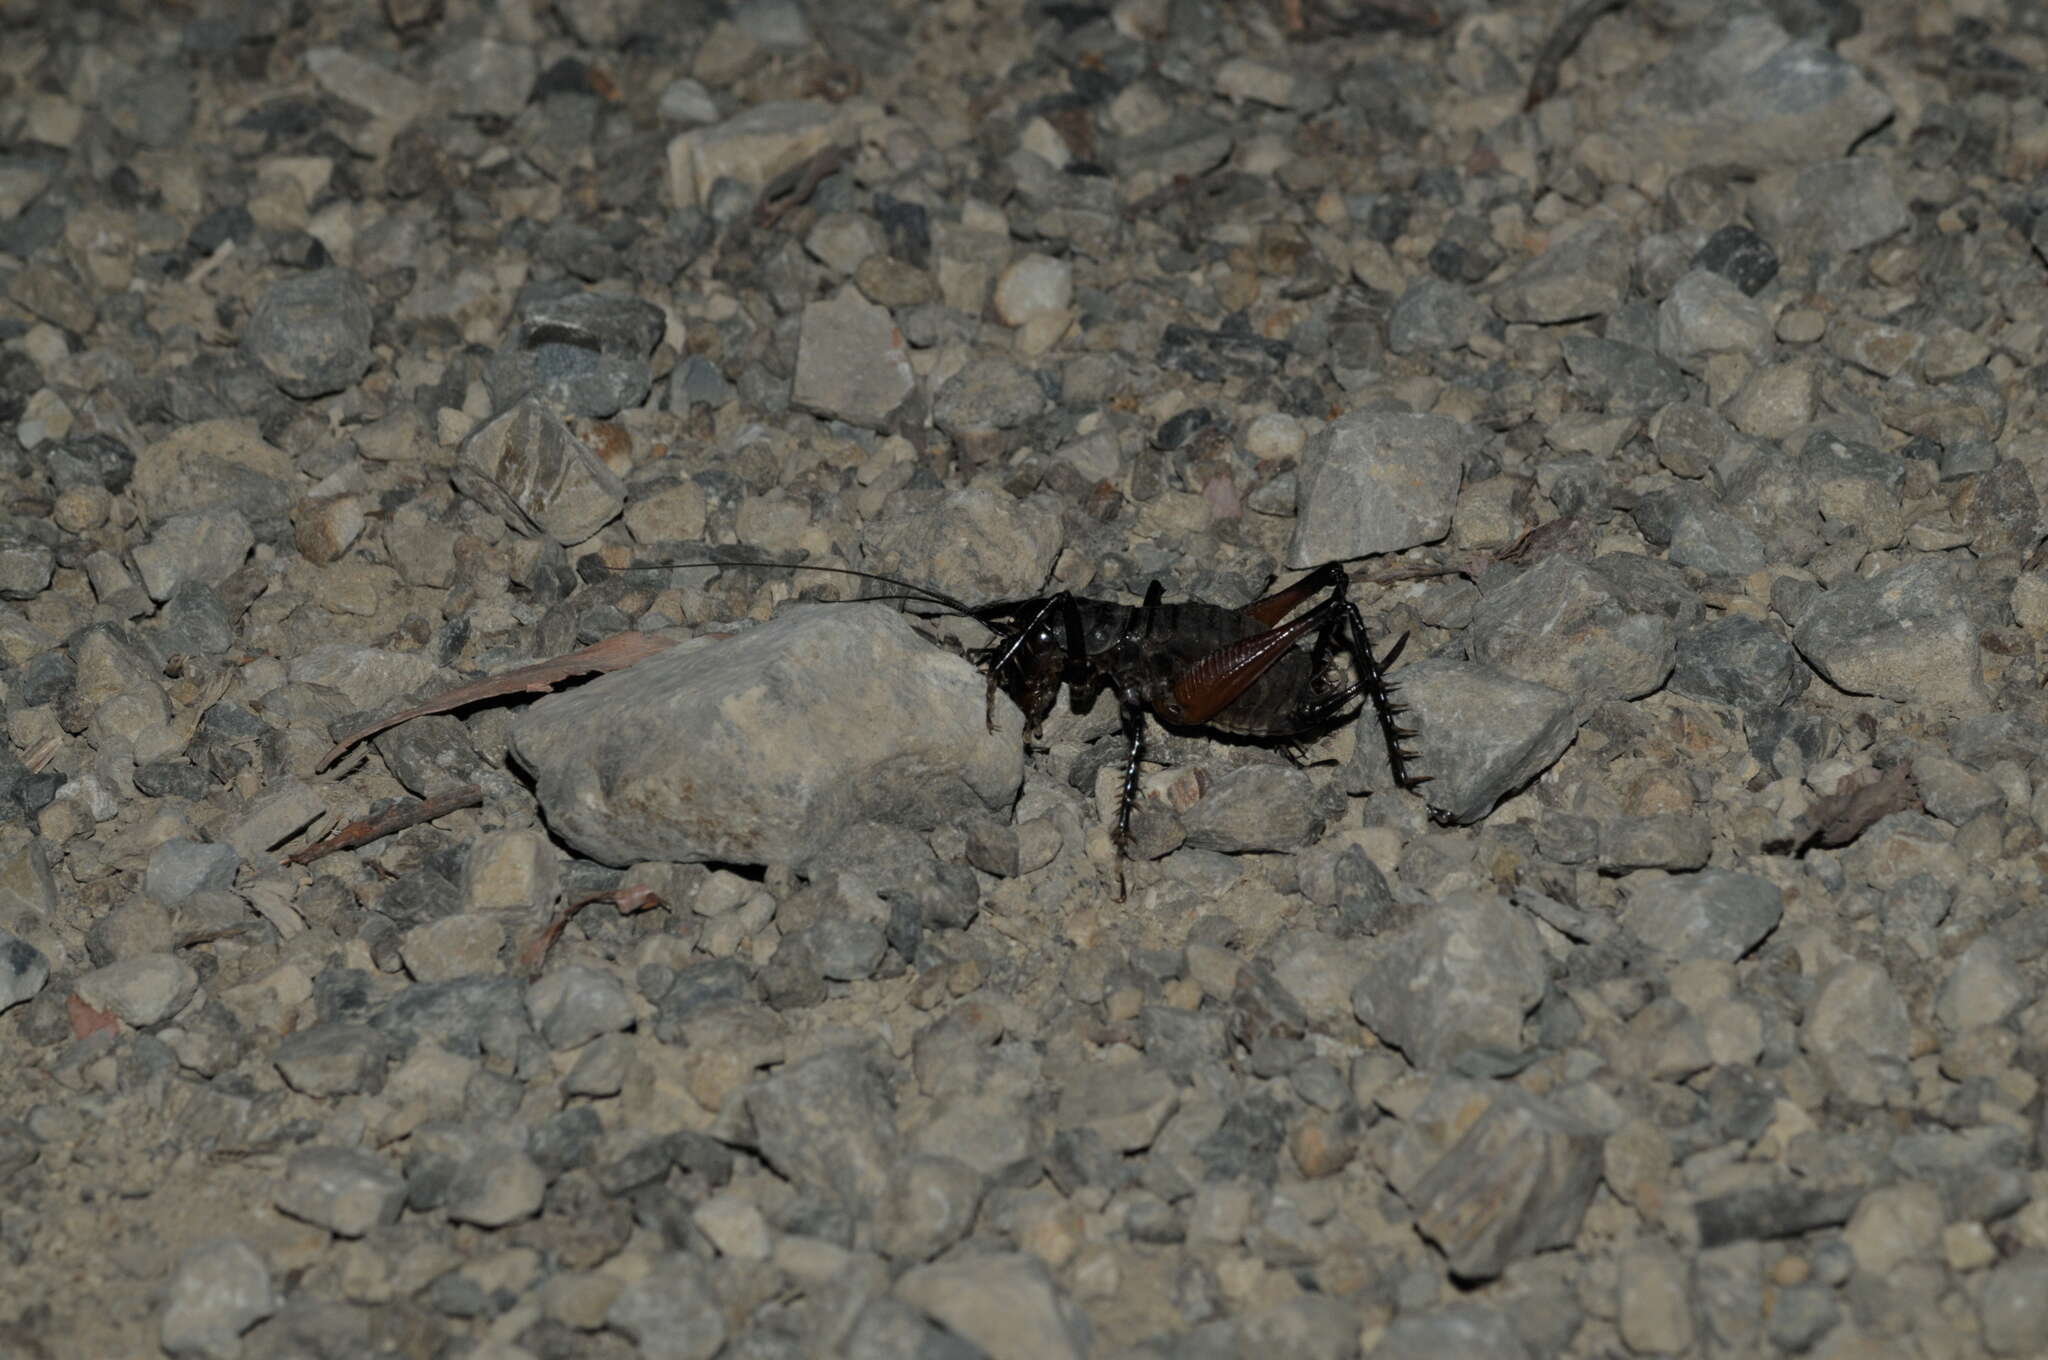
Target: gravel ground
(1695, 1008)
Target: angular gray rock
(1256, 808)
(573, 1005)
(311, 332)
(1713, 914)
(1584, 274)
(976, 543)
(851, 362)
(345, 1190)
(1377, 482)
(1564, 625)
(1902, 634)
(1482, 734)
(529, 469)
(828, 1124)
(1459, 977)
(760, 749)
(218, 1291)
(1007, 1303)
(23, 971)
(1517, 1182)
(672, 1312)
(1743, 91)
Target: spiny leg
(1372, 676)
(1134, 732)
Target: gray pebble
(851, 363)
(1713, 914)
(179, 868)
(672, 1312)
(573, 1005)
(144, 990)
(1586, 273)
(345, 1190)
(1483, 733)
(1377, 482)
(311, 333)
(1461, 1331)
(333, 1060)
(1460, 977)
(1563, 625)
(23, 971)
(671, 759)
(2013, 1308)
(1007, 1303)
(1902, 634)
(218, 1291)
(527, 467)
(1738, 661)
(1255, 808)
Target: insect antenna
(912, 590)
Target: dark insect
(1249, 672)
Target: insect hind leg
(1379, 691)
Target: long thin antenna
(917, 592)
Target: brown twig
(1563, 40)
(411, 812)
(613, 654)
(794, 186)
(627, 900)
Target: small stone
(1124, 1106)
(311, 332)
(206, 546)
(1655, 1300)
(1902, 634)
(1377, 482)
(1621, 377)
(145, 990)
(735, 1226)
(1564, 625)
(218, 1291)
(464, 945)
(528, 468)
(1435, 315)
(333, 1060)
(1516, 1182)
(1006, 1303)
(671, 1312)
(1707, 314)
(1895, 1224)
(1983, 988)
(1857, 1029)
(1802, 1316)
(1742, 257)
(1885, 350)
(288, 808)
(1670, 840)
(495, 1187)
(1834, 206)
(1461, 1331)
(23, 971)
(1254, 808)
(929, 1205)
(345, 1190)
(1484, 734)
(1713, 914)
(179, 868)
(1459, 978)
(1738, 661)
(2013, 1307)
(686, 103)
(1034, 286)
(486, 77)
(1775, 401)
(1585, 274)
(573, 1005)
(851, 363)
